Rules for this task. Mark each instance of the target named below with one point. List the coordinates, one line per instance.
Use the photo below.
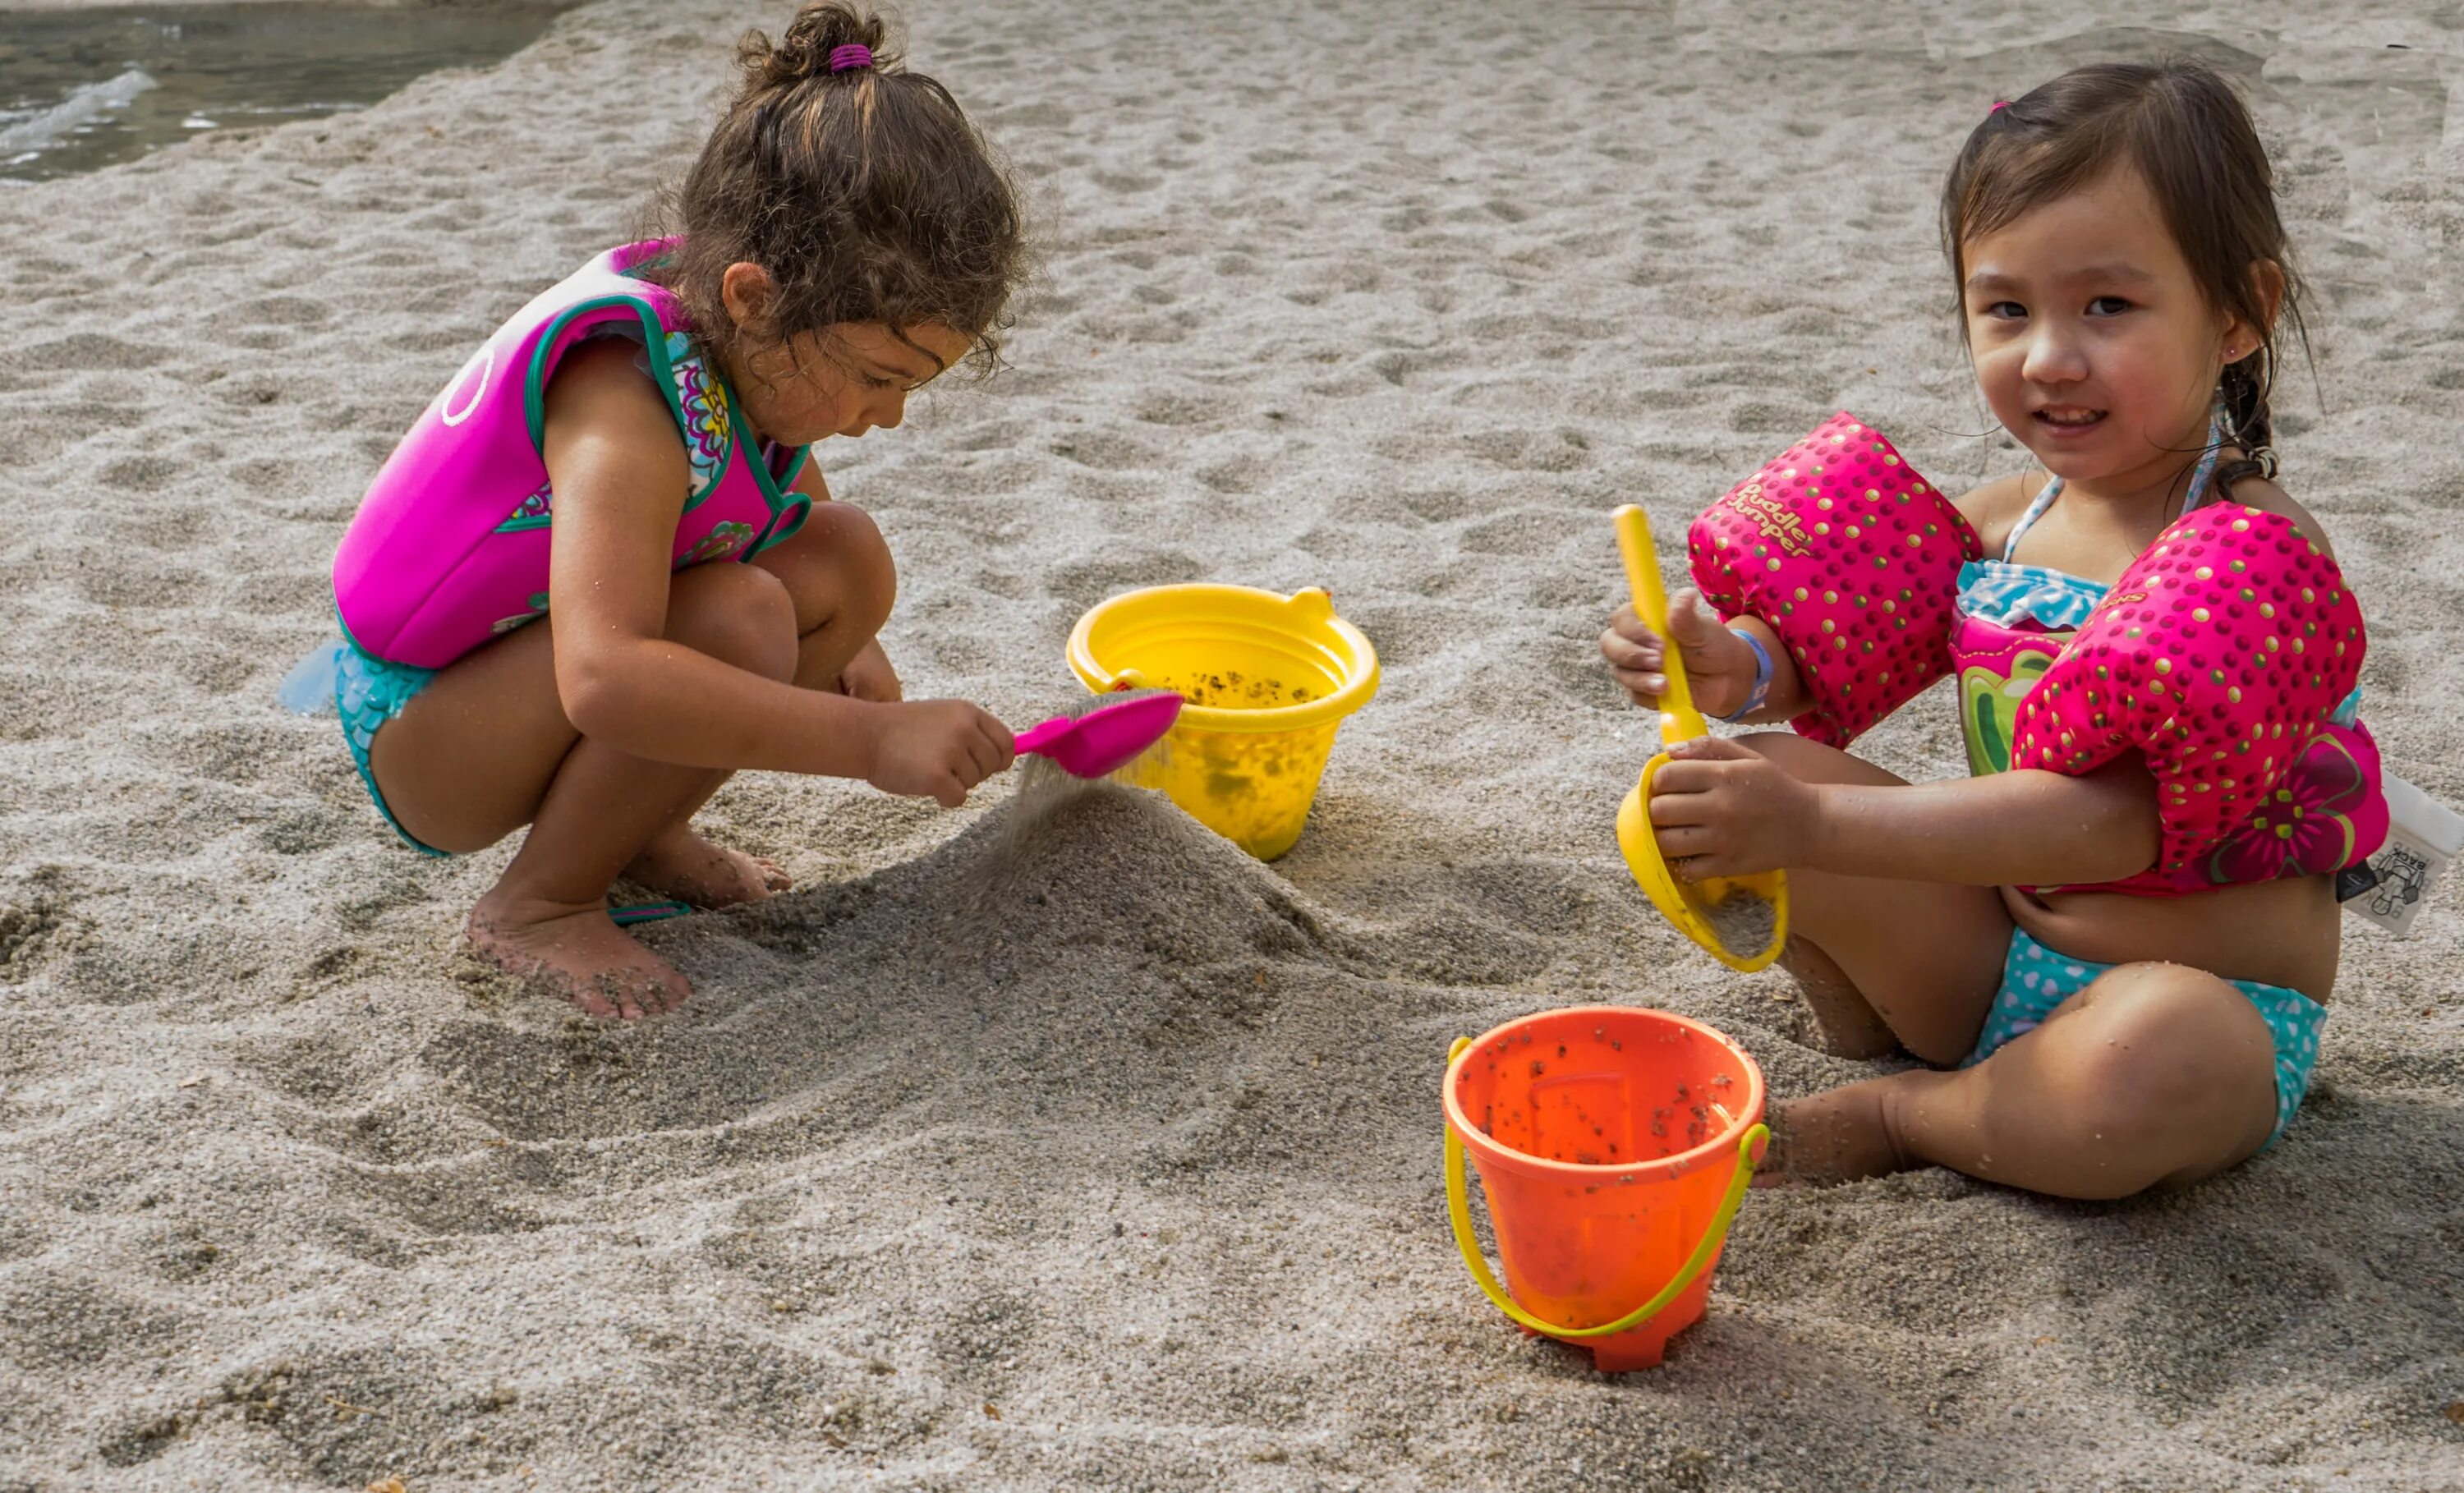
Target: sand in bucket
(1268, 680)
(1614, 1144)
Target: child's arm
(619, 475)
(1732, 812)
(1721, 665)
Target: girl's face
(844, 379)
(2093, 344)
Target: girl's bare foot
(1774, 1170)
(1839, 1135)
(682, 864)
(576, 954)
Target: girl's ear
(747, 291)
(2267, 293)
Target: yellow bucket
(1268, 679)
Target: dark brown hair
(865, 193)
(2185, 132)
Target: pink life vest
(449, 548)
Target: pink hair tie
(1999, 105)
(854, 54)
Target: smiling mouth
(2067, 417)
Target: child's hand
(937, 748)
(1718, 809)
(1718, 665)
(869, 676)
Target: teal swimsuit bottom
(368, 691)
(2036, 980)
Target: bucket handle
(1458, 1209)
(1126, 679)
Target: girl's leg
(2154, 1073)
(1915, 962)
(838, 573)
(838, 569)
(485, 748)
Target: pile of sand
(1104, 1156)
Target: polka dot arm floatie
(1853, 558)
(2221, 654)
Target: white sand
(1129, 1178)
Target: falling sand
(1044, 784)
(1744, 921)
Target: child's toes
(685, 866)
(666, 993)
(583, 958)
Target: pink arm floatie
(1853, 559)
(2221, 656)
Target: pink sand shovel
(1106, 737)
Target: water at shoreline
(82, 89)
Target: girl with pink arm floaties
(600, 574)
(2112, 942)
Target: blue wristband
(1760, 694)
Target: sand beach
(1107, 1157)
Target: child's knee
(850, 575)
(740, 614)
(2178, 1055)
(1785, 747)
(873, 575)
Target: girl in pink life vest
(2112, 944)
(601, 573)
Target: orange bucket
(1615, 1145)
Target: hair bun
(804, 53)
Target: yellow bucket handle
(1458, 1209)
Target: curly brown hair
(864, 192)
(2189, 137)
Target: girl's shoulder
(597, 398)
(1992, 510)
(600, 382)
(2263, 494)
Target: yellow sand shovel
(1689, 904)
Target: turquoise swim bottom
(2036, 980)
(368, 692)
